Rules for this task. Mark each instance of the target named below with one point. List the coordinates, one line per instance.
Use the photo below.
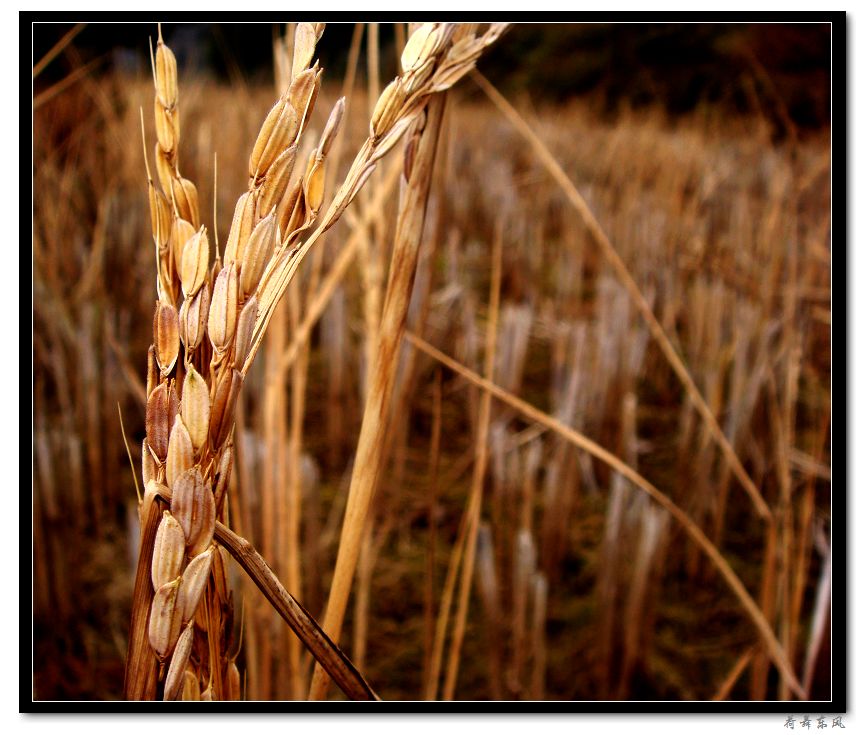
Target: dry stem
(373, 428)
(621, 270)
(776, 651)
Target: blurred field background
(703, 152)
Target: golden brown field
(503, 556)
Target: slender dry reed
(383, 370)
(621, 270)
(775, 649)
(426, 53)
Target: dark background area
(781, 71)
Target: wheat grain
(272, 230)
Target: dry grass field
(602, 469)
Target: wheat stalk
(431, 64)
(379, 387)
(182, 615)
(434, 57)
(188, 450)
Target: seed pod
(164, 170)
(186, 199)
(302, 95)
(166, 75)
(332, 127)
(179, 376)
(465, 32)
(256, 254)
(389, 139)
(195, 407)
(180, 232)
(162, 407)
(169, 551)
(386, 108)
(313, 96)
(276, 134)
(179, 451)
(286, 207)
(245, 328)
(223, 474)
(164, 624)
(419, 46)
(191, 691)
(175, 124)
(192, 584)
(165, 287)
(152, 370)
(193, 318)
(416, 78)
(299, 216)
(460, 58)
(276, 182)
(160, 215)
(192, 506)
(220, 573)
(241, 227)
(233, 682)
(223, 309)
(167, 126)
(176, 670)
(222, 412)
(193, 266)
(444, 79)
(203, 534)
(304, 47)
(314, 185)
(165, 337)
(148, 464)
